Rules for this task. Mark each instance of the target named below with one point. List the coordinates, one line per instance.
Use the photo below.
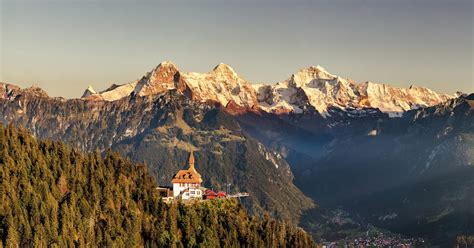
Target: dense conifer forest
(54, 195)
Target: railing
(238, 195)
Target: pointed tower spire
(191, 161)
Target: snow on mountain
(322, 90)
(314, 86)
(310, 87)
(117, 92)
(156, 81)
(113, 93)
(395, 100)
(223, 85)
(159, 80)
(89, 91)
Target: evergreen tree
(52, 195)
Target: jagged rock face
(412, 174)
(10, 91)
(318, 88)
(159, 130)
(309, 89)
(89, 92)
(222, 85)
(409, 145)
(163, 78)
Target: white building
(187, 183)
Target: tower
(187, 183)
(191, 161)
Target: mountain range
(399, 158)
(160, 130)
(310, 88)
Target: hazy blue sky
(64, 45)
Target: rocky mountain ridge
(310, 88)
(159, 117)
(159, 130)
(412, 175)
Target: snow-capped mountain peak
(309, 87)
(164, 67)
(166, 63)
(157, 81)
(322, 90)
(306, 75)
(89, 91)
(225, 74)
(224, 69)
(313, 86)
(222, 85)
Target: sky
(65, 45)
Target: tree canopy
(54, 195)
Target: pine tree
(52, 195)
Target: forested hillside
(52, 195)
(160, 130)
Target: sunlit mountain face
(399, 159)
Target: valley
(400, 159)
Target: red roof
(188, 176)
(209, 192)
